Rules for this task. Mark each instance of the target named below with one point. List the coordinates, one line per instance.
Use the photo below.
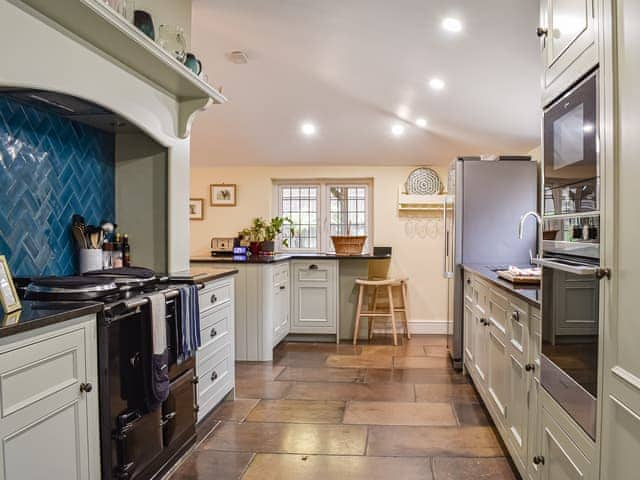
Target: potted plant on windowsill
(271, 232)
(255, 234)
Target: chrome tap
(521, 229)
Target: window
(319, 210)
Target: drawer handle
(214, 332)
(313, 267)
(214, 376)
(484, 322)
(214, 299)
(282, 287)
(529, 367)
(86, 387)
(516, 316)
(538, 460)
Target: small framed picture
(223, 195)
(196, 208)
(8, 295)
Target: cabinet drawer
(34, 372)
(313, 272)
(215, 379)
(215, 294)
(215, 328)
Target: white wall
(419, 259)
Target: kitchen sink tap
(521, 231)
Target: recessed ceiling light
(421, 122)
(436, 83)
(403, 112)
(308, 129)
(397, 130)
(452, 25)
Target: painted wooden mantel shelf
(408, 202)
(109, 33)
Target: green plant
(274, 228)
(256, 232)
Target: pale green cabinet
(501, 354)
(314, 307)
(568, 41)
(49, 423)
(621, 373)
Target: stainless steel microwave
(571, 171)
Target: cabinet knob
(542, 32)
(516, 316)
(214, 299)
(529, 367)
(86, 387)
(214, 376)
(313, 267)
(538, 460)
(213, 333)
(468, 281)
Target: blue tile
(50, 168)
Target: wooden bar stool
(372, 315)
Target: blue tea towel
(189, 322)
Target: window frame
(323, 239)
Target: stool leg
(393, 315)
(356, 328)
(406, 307)
(374, 309)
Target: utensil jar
(89, 259)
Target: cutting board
(518, 279)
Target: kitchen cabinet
(49, 403)
(501, 354)
(620, 395)
(565, 452)
(215, 360)
(262, 309)
(568, 36)
(315, 292)
(280, 311)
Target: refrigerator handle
(445, 268)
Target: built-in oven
(571, 168)
(570, 325)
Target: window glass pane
(300, 205)
(347, 211)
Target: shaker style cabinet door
(621, 372)
(568, 40)
(46, 408)
(314, 308)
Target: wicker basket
(347, 245)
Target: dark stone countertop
(40, 314)
(201, 275)
(529, 293)
(281, 257)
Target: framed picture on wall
(196, 208)
(223, 195)
(8, 295)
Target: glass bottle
(171, 38)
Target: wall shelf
(420, 203)
(103, 29)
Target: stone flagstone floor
(372, 412)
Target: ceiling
(355, 68)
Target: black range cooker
(136, 441)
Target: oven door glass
(570, 343)
(571, 176)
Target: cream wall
(420, 259)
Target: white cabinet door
(498, 361)
(49, 425)
(621, 372)
(469, 334)
(562, 458)
(480, 348)
(533, 438)
(569, 49)
(315, 297)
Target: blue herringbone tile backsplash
(50, 168)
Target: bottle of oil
(126, 251)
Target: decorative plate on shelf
(423, 181)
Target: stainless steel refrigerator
(485, 200)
